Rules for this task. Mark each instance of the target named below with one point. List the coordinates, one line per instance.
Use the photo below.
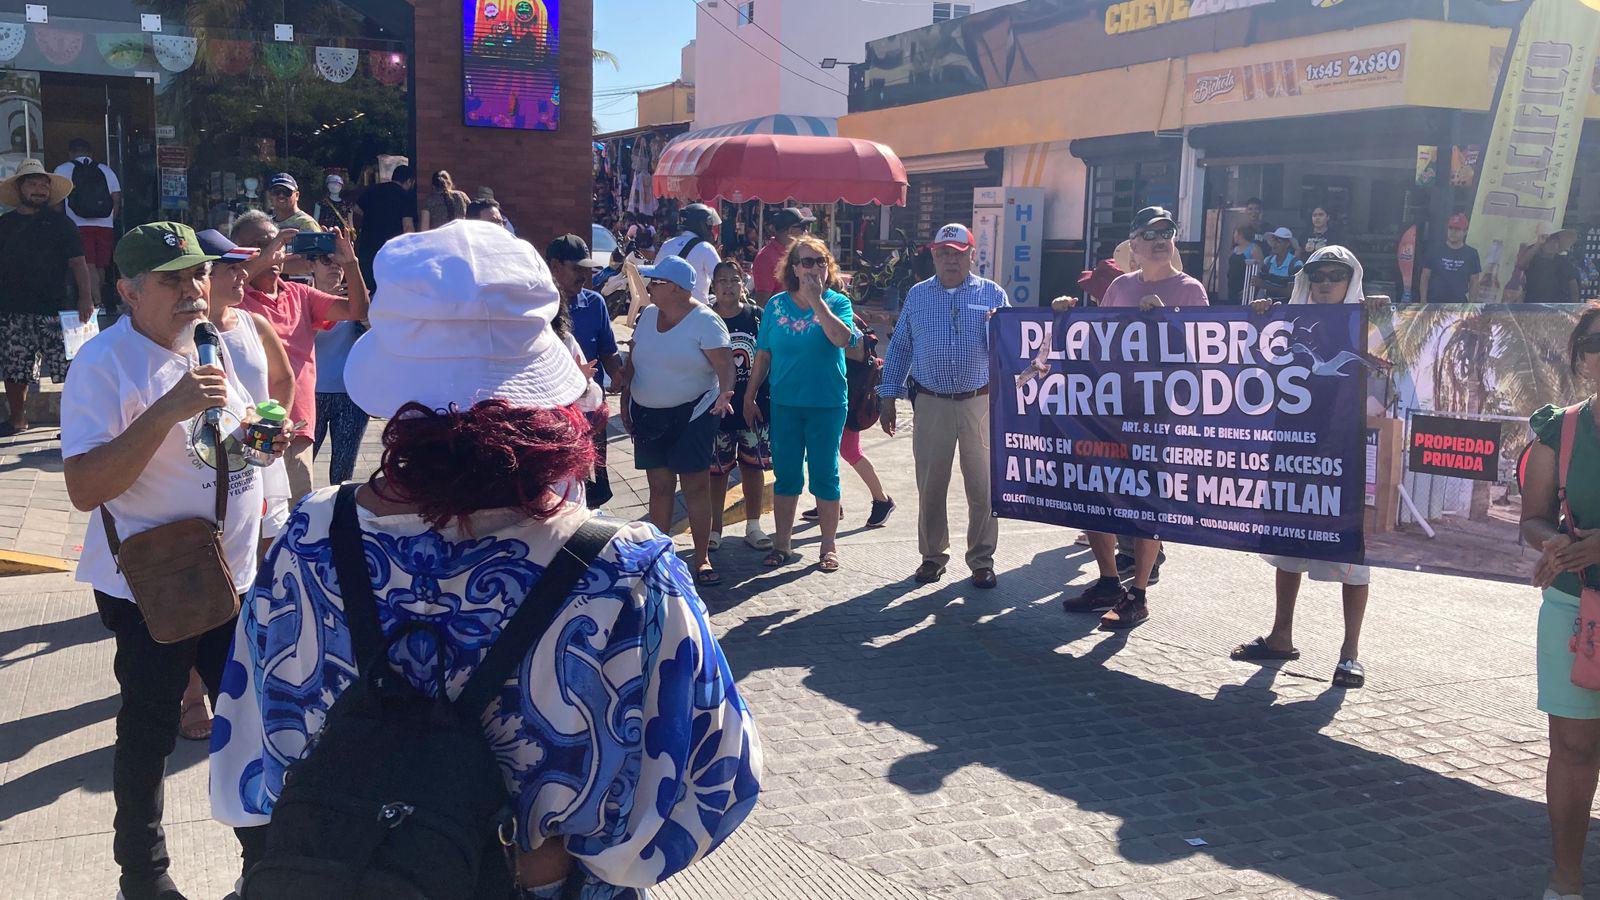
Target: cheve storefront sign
(1296, 77)
(1137, 15)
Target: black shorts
(670, 439)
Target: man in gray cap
(696, 245)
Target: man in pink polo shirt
(297, 312)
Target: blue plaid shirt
(942, 338)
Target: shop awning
(775, 168)
(817, 126)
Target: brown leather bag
(177, 572)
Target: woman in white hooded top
(1332, 275)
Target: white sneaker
(755, 537)
(715, 541)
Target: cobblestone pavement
(940, 741)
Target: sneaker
(811, 514)
(880, 513)
(1131, 610)
(1126, 564)
(161, 888)
(1103, 594)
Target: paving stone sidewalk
(940, 741)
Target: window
(944, 12)
(747, 13)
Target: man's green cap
(159, 247)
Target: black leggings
(348, 423)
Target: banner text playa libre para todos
(1210, 426)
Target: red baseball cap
(953, 235)
(1459, 220)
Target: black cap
(1144, 218)
(785, 219)
(568, 248)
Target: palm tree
(601, 56)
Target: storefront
(196, 104)
(1300, 104)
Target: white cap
(462, 315)
(953, 235)
(1283, 232)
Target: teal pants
(806, 437)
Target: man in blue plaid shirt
(939, 356)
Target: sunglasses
(1589, 343)
(810, 262)
(657, 281)
(1156, 234)
(279, 192)
(1331, 275)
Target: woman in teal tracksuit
(800, 346)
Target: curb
(16, 562)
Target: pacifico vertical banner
(1527, 165)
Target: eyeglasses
(810, 262)
(1589, 343)
(1156, 234)
(1337, 275)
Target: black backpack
(399, 796)
(91, 195)
(862, 377)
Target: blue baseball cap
(671, 268)
(284, 180)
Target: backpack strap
(355, 584)
(537, 612)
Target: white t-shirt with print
(115, 378)
(112, 185)
(704, 257)
(671, 369)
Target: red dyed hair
(451, 464)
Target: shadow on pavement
(89, 771)
(1254, 779)
(52, 636)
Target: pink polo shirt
(296, 314)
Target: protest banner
(1213, 426)
(1462, 381)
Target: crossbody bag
(1586, 628)
(177, 572)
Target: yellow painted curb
(732, 506)
(15, 562)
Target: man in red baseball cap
(1450, 273)
(939, 356)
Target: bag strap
(1569, 437)
(109, 522)
(537, 612)
(355, 584)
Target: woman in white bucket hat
(458, 526)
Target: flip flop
(714, 542)
(780, 558)
(192, 729)
(1258, 651)
(1349, 674)
(707, 577)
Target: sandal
(780, 558)
(714, 542)
(1259, 651)
(1349, 674)
(757, 538)
(192, 728)
(828, 562)
(707, 576)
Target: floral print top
(621, 734)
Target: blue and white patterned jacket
(621, 734)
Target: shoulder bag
(1586, 629)
(177, 572)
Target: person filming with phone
(297, 312)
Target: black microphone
(208, 344)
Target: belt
(964, 395)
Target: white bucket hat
(462, 315)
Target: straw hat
(463, 315)
(60, 185)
